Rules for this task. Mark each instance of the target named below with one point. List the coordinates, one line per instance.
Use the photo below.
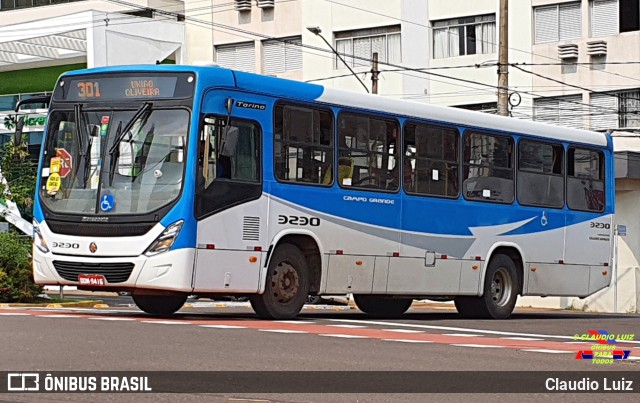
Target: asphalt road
(214, 336)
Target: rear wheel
(501, 288)
(161, 305)
(287, 285)
(381, 306)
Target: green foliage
(16, 281)
(20, 175)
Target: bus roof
(314, 92)
(457, 116)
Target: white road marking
(58, 316)
(477, 345)
(576, 342)
(403, 330)
(349, 326)
(345, 336)
(14, 314)
(549, 351)
(522, 338)
(283, 331)
(463, 335)
(458, 329)
(224, 326)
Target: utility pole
(374, 74)
(503, 60)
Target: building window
(629, 109)
(464, 36)
(282, 55)
(615, 110)
(611, 17)
(6, 5)
(363, 43)
(558, 22)
(303, 145)
(585, 179)
(540, 176)
(564, 111)
(486, 107)
(240, 56)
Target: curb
(78, 304)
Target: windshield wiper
(77, 112)
(112, 161)
(142, 113)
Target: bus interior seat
(345, 170)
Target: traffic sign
(67, 162)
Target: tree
(18, 185)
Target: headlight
(38, 239)
(165, 240)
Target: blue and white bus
(167, 181)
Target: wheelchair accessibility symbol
(107, 203)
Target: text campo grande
(95, 384)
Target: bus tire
(382, 307)
(287, 285)
(501, 287)
(160, 305)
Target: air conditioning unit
(266, 3)
(597, 48)
(243, 5)
(568, 51)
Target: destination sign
(110, 88)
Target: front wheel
(501, 288)
(160, 305)
(381, 306)
(287, 285)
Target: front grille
(101, 229)
(113, 272)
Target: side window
(368, 152)
(229, 164)
(488, 168)
(585, 179)
(431, 160)
(303, 145)
(540, 174)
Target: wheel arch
(311, 248)
(514, 252)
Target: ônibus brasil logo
(605, 349)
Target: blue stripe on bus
(446, 217)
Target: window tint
(585, 179)
(431, 160)
(540, 176)
(368, 152)
(303, 145)
(488, 168)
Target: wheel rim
(501, 287)
(285, 282)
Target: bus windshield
(113, 162)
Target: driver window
(228, 152)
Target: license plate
(92, 279)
